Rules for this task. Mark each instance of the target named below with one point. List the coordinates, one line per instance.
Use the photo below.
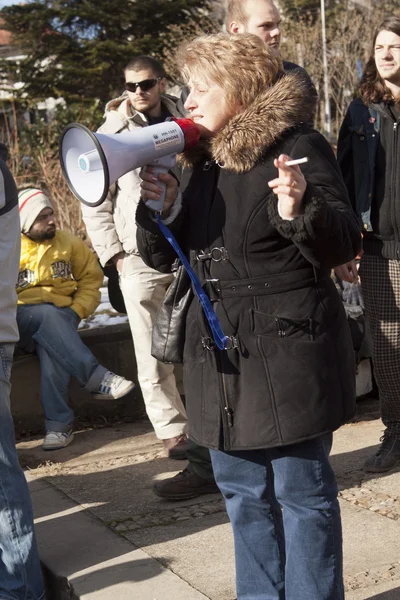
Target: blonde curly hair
(241, 64)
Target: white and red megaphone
(92, 162)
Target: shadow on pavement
(368, 409)
(348, 467)
(104, 578)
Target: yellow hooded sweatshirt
(62, 271)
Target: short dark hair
(138, 63)
(372, 86)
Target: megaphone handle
(157, 205)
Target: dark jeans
(283, 507)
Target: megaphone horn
(92, 162)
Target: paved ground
(106, 536)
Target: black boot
(387, 457)
(183, 486)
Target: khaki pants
(143, 290)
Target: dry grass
(34, 162)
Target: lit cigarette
(298, 161)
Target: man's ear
(163, 85)
(235, 27)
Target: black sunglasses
(145, 85)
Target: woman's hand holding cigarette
(289, 186)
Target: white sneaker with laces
(54, 440)
(112, 387)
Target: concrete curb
(56, 587)
(82, 559)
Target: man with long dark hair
(369, 156)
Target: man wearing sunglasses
(111, 227)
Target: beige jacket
(111, 226)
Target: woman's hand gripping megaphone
(159, 189)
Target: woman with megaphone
(269, 368)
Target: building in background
(8, 89)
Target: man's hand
(289, 186)
(118, 260)
(348, 272)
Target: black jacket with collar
(369, 157)
(292, 375)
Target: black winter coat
(292, 376)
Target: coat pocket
(301, 367)
(281, 327)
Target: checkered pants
(380, 282)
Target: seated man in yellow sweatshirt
(58, 285)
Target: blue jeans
(52, 332)
(20, 572)
(285, 515)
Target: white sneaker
(113, 386)
(54, 440)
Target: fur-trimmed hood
(248, 136)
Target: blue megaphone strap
(221, 340)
